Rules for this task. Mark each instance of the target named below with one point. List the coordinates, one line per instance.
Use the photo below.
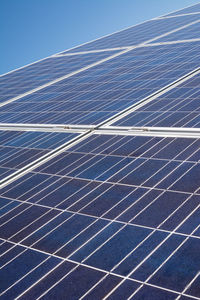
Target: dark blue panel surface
(23, 264)
(129, 224)
(152, 293)
(82, 278)
(120, 245)
(182, 267)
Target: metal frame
(45, 127)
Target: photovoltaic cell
(19, 148)
(137, 34)
(96, 94)
(179, 107)
(114, 214)
(42, 72)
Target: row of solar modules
(43, 72)
(145, 32)
(179, 107)
(40, 73)
(99, 93)
(112, 214)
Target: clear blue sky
(34, 29)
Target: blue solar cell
(23, 264)
(104, 287)
(11, 254)
(4, 202)
(49, 280)
(141, 199)
(193, 290)
(32, 227)
(120, 245)
(84, 277)
(6, 208)
(142, 173)
(72, 246)
(154, 293)
(17, 210)
(43, 231)
(131, 262)
(126, 289)
(157, 257)
(107, 200)
(160, 209)
(32, 277)
(5, 246)
(96, 242)
(19, 222)
(184, 210)
(186, 258)
(64, 233)
(190, 181)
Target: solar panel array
(100, 168)
(138, 34)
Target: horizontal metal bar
(150, 131)
(45, 127)
(154, 129)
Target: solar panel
(121, 203)
(98, 93)
(100, 168)
(137, 34)
(179, 107)
(42, 72)
(19, 148)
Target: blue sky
(34, 29)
